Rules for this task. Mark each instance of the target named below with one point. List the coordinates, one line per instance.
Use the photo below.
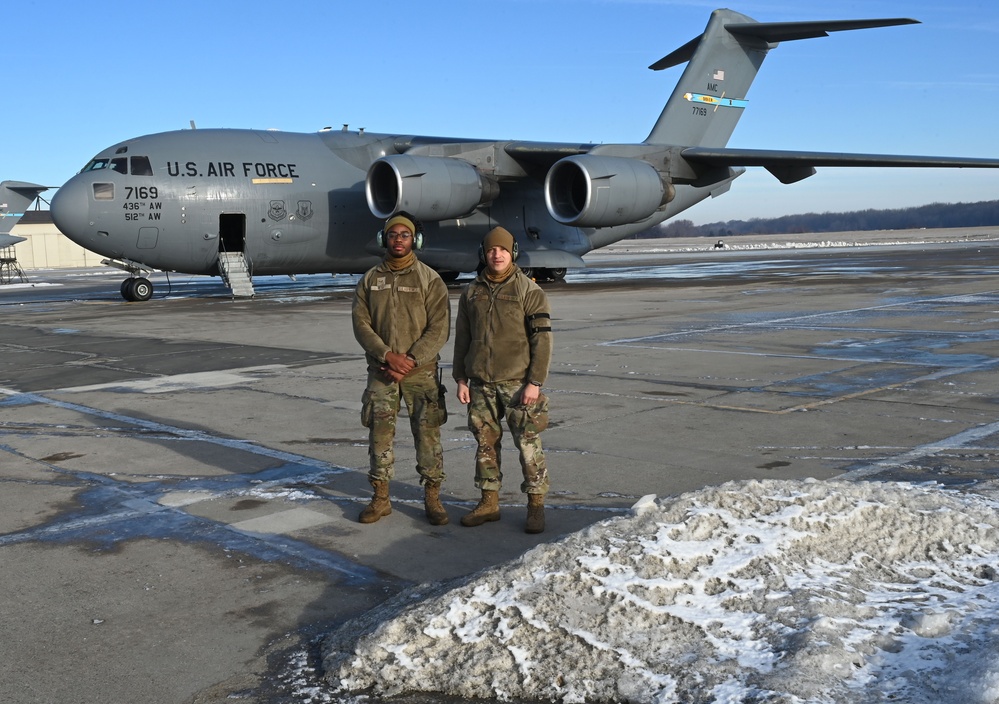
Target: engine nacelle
(604, 191)
(428, 187)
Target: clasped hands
(398, 365)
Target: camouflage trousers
(490, 404)
(379, 409)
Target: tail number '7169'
(142, 192)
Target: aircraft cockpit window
(96, 165)
(141, 166)
(120, 165)
(103, 191)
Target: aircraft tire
(126, 289)
(557, 274)
(142, 289)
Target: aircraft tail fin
(721, 64)
(15, 198)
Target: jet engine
(604, 191)
(428, 187)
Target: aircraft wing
(778, 162)
(544, 153)
(791, 166)
(15, 197)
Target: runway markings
(954, 442)
(793, 319)
(649, 342)
(185, 382)
(176, 432)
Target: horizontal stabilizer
(790, 31)
(776, 32)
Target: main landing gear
(544, 275)
(136, 288)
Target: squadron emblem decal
(277, 210)
(304, 211)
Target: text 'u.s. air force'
(229, 169)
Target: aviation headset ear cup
(515, 252)
(418, 235)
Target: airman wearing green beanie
(499, 237)
(502, 351)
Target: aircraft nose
(71, 209)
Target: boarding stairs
(9, 268)
(236, 274)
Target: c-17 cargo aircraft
(242, 203)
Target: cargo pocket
(367, 409)
(431, 409)
(442, 402)
(538, 413)
(529, 419)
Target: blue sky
(82, 76)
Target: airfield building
(46, 247)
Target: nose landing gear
(136, 288)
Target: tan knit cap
(397, 219)
(498, 237)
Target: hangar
(45, 247)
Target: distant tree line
(935, 215)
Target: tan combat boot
(535, 513)
(486, 510)
(379, 505)
(432, 505)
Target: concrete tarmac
(180, 479)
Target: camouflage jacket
(503, 331)
(403, 311)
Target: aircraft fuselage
(172, 201)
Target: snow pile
(752, 591)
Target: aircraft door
(232, 232)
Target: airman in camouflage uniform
(402, 319)
(502, 351)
